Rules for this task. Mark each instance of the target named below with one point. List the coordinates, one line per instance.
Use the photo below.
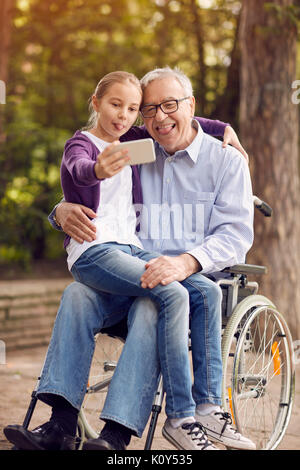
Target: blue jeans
(139, 352)
(117, 269)
(83, 312)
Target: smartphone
(139, 151)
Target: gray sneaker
(188, 436)
(218, 428)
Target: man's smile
(164, 129)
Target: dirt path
(18, 378)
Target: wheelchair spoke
(259, 373)
(106, 355)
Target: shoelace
(196, 429)
(228, 420)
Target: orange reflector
(276, 358)
(230, 404)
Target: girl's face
(117, 110)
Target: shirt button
(169, 159)
(168, 180)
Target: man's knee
(77, 293)
(75, 290)
(80, 302)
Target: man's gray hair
(165, 72)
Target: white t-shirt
(116, 218)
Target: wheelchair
(258, 381)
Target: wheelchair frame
(241, 303)
(239, 292)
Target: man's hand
(74, 220)
(166, 269)
(231, 138)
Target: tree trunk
(199, 35)
(269, 132)
(227, 105)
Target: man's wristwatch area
(56, 221)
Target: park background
(243, 60)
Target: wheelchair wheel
(106, 355)
(258, 371)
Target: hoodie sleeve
(214, 128)
(79, 160)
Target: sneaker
(188, 436)
(218, 428)
(48, 436)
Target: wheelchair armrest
(245, 269)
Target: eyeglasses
(167, 107)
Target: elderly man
(197, 212)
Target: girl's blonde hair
(102, 87)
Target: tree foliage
(58, 51)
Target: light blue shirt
(198, 201)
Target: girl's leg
(116, 269)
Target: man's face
(173, 131)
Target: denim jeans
(83, 312)
(139, 359)
(117, 269)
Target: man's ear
(193, 105)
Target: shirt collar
(193, 149)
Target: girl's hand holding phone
(111, 161)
